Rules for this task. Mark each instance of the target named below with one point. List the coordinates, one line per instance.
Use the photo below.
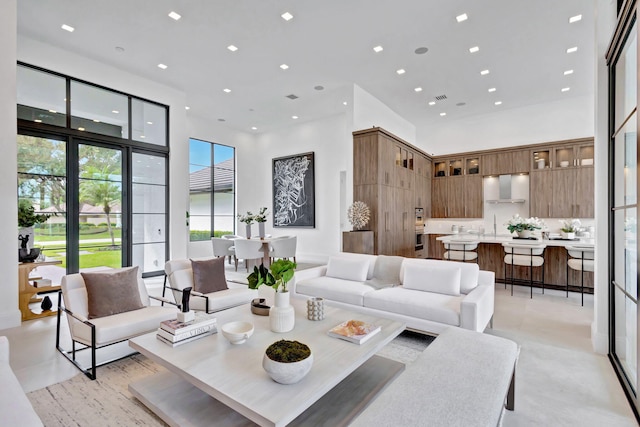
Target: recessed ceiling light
(67, 28)
(421, 50)
(254, 128)
(287, 16)
(96, 121)
(119, 49)
(345, 103)
(174, 15)
(566, 89)
(284, 66)
(462, 17)
(115, 111)
(38, 121)
(443, 114)
(566, 73)
(575, 19)
(401, 71)
(232, 48)
(319, 87)
(498, 103)
(378, 49)
(484, 72)
(418, 89)
(474, 49)
(432, 103)
(53, 111)
(142, 136)
(221, 120)
(461, 104)
(164, 67)
(492, 89)
(149, 123)
(572, 49)
(80, 128)
(226, 90)
(186, 107)
(294, 117)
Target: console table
(27, 292)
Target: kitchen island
(491, 257)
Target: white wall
(55, 59)
(555, 121)
(9, 313)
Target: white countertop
(507, 238)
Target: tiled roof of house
(223, 174)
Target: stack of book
(355, 331)
(175, 333)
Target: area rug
(107, 401)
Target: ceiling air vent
(292, 96)
(441, 97)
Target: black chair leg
(567, 280)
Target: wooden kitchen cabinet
(496, 163)
(396, 180)
(540, 195)
(455, 197)
(474, 197)
(439, 198)
(585, 187)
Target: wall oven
(419, 229)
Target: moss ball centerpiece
(287, 362)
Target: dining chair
(248, 250)
(284, 247)
(223, 247)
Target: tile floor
(560, 381)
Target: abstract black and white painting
(293, 191)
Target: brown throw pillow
(208, 275)
(112, 292)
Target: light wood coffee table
(212, 382)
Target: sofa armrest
(309, 273)
(486, 278)
(476, 309)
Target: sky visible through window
(200, 154)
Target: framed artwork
(294, 191)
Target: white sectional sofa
(15, 408)
(427, 295)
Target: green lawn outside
(51, 238)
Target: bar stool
(525, 255)
(580, 259)
(463, 251)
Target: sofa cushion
(331, 288)
(208, 275)
(435, 307)
(432, 278)
(111, 292)
(468, 271)
(348, 269)
(386, 272)
(220, 300)
(124, 325)
(371, 258)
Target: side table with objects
(29, 286)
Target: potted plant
(247, 219)
(523, 226)
(27, 218)
(570, 227)
(358, 215)
(261, 218)
(281, 315)
(287, 362)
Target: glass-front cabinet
(541, 159)
(623, 189)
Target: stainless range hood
(505, 191)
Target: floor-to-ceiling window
(93, 162)
(623, 201)
(211, 190)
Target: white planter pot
(248, 231)
(525, 234)
(570, 236)
(282, 317)
(261, 230)
(287, 373)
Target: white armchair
(103, 331)
(180, 276)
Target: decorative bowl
(237, 332)
(259, 307)
(287, 373)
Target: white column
(605, 25)
(9, 313)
